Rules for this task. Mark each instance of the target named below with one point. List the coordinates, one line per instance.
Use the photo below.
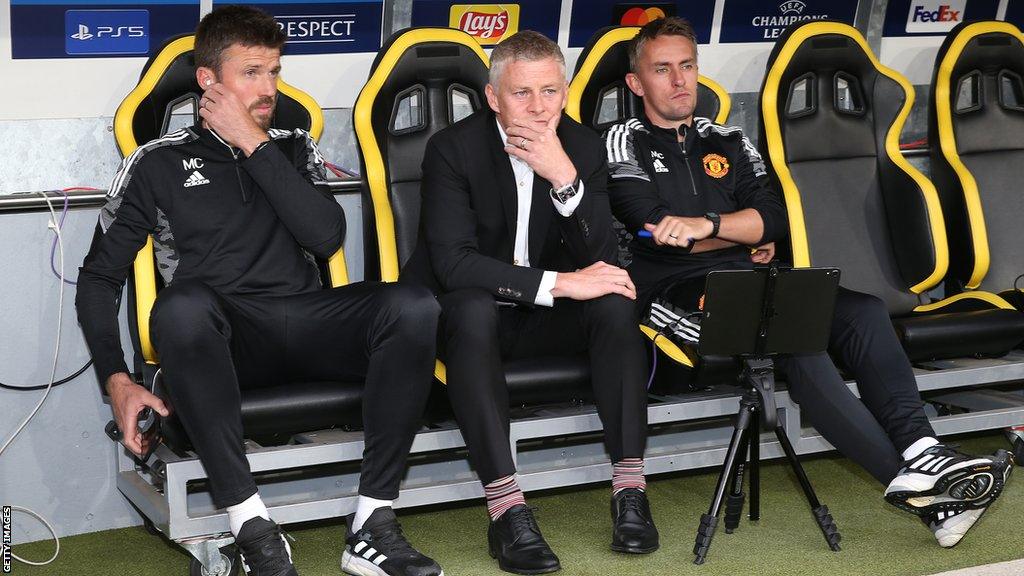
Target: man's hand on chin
(594, 281)
(231, 119)
(540, 147)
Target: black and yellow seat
(167, 83)
(599, 97)
(976, 140)
(423, 80)
(831, 117)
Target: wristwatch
(716, 222)
(564, 193)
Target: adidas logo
(196, 179)
(659, 166)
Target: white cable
(55, 226)
(48, 527)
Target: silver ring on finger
(673, 236)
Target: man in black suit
(516, 241)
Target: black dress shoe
(515, 540)
(633, 529)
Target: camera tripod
(758, 400)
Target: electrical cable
(56, 540)
(53, 225)
(60, 276)
(38, 387)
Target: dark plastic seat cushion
(948, 335)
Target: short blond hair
(523, 45)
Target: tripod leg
(709, 521)
(754, 437)
(821, 513)
(734, 501)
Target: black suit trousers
(475, 334)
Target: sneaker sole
(359, 566)
(968, 529)
(938, 498)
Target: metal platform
(316, 476)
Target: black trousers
(211, 346)
(476, 334)
(888, 417)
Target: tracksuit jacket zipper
(686, 158)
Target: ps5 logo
(83, 33)
(106, 32)
(109, 32)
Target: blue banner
(760, 21)
(589, 16)
(77, 29)
(934, 17)
(489, 22)
(327, 26)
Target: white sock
(364, 507)
(915, 449)
(250, 508)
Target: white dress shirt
(524, 192)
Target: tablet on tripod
(767, 310)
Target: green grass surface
(877, 538)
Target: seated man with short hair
(517, 243)
(701, 193)
(237, 212)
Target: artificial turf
(877, 538)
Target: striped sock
(501, 495)
(628, 473)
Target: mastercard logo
(640, 16)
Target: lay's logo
(488, 23)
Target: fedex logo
(935, 16)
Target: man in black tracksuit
(697, 196)
(238, 212)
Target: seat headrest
(978, 81)
(823, 80)
(599, 97)
(168, 82)
(422, 80)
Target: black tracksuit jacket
(653, 175)
(241, 225)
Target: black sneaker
(515, 540)
(942, 479)
(263, 549)
(633, 529)
(380, 549)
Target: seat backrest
(422, 80)
(599, 97)
(976, 141)
(168, 82)
(831, 117)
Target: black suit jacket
(468, 214)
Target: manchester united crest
(716, 165)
